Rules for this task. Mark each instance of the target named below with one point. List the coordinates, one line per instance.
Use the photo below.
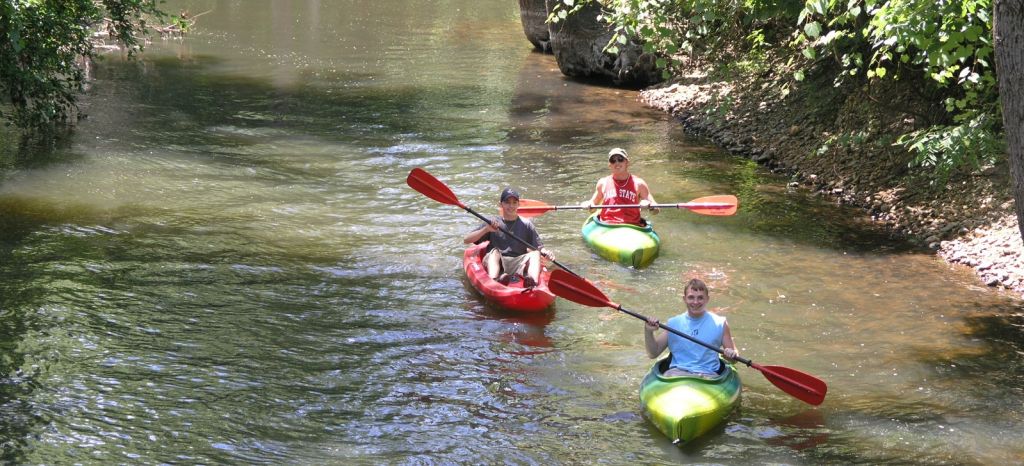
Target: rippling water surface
(225, 265)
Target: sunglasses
(617, 159)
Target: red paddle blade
(431, 187)
(722, 205)
(803, 387)
(530, 208)
(578, 290)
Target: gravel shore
(836, 144)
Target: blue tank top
(689, 356)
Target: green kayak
(684, 408)
(626, 244)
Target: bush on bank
(45, 46)
(945, 45)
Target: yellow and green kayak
(684, 408)
(627, 244)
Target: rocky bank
(838, 142)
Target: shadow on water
(967, 405)
(994, 360)
(20, 292)
(18, 416)
(769, 208)
(19, 152)
(551, 109)
(822, 224)
(325, 104)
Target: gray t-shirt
(508, 246)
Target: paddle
(802, 386)
(435, 189)
(720, 205)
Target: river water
(225, 265)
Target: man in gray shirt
(507, 257)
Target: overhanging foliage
(43, 45)
(947, 42)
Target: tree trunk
(578, 44)
(534, 16)
(1008, 35)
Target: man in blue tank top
(689, 358)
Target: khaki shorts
(512, 265)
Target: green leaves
(16, 41)
(944, 149)
(949, 42)
(812, 29)
(561, 9)
(41, 44)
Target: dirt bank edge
(839, 143)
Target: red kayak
(512, 297)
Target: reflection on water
(224, 265)
(800, 431)
(524, 332)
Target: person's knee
(492, 262)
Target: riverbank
(838, 142)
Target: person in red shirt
(621, 188)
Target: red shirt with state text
(617, 192)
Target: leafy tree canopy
(43, 48)
(948, 42)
